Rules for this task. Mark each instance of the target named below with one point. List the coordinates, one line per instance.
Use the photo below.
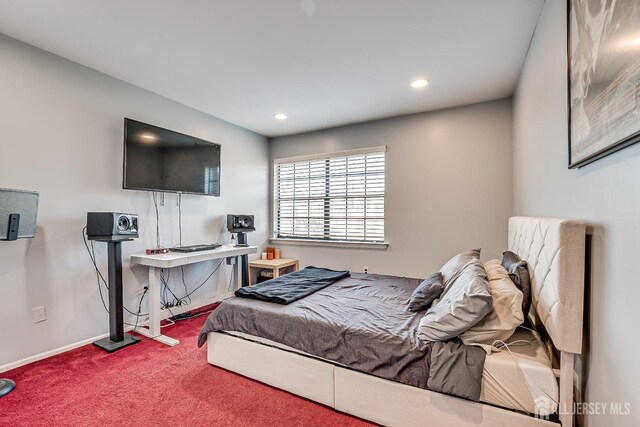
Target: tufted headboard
(555, 251)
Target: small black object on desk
(196, 248)
(117, 339)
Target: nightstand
(275, 265)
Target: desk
(177, 259)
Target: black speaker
(111, 224)
(113, 228)
(240, 223)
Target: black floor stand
(244, 263)
(117, 339)
(6, 386)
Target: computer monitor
(23, 203)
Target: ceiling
(324, 63)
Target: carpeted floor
(150, 384)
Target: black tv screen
(157, 159)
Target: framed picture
(604, 77)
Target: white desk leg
(154, 301)
(154, 311)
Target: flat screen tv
(157, 159)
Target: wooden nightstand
(275, 265)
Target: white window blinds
(335, 197)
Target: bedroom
(484, 140)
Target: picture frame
(603, 52)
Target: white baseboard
(165, 314)
(47, 354)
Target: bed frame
(555, 252)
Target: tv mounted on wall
(157, 159)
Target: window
(331, 197)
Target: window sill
(331, 244)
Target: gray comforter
(361, 322)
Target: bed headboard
(555, 251)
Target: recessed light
(636, 41)
(419, 83)
(280, 116)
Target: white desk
(177, 259)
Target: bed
(514, 383)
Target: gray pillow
(464, 304)
(454, 265)
(426, 292)
(519, 274)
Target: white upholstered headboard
(555, 251)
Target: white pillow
(506, 314)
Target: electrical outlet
(39, 314)
(366, 269)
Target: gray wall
(448, 186)
(61, 134)
(605, 194)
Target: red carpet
(150, 384)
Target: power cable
(100, 279)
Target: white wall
(448, 186)
(604, 194)
(61, 128)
